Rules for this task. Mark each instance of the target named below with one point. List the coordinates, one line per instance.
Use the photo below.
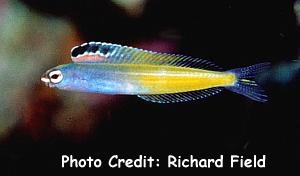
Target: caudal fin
(246, 84)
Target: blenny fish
(107, 68)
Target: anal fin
(181, 97)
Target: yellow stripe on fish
(171, 79)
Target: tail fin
(245, 83)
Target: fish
(105, 68)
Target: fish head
(52, 77)
(67, 77)
(59, 77)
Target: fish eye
(55, 76)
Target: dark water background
(230, 33)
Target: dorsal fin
(117, 54)
(181, 97)
(88, 52)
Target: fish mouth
(45, 79)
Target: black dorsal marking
(79, 50)
(93, 48)
(105, 49)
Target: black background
(230, 33)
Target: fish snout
(45, 79)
